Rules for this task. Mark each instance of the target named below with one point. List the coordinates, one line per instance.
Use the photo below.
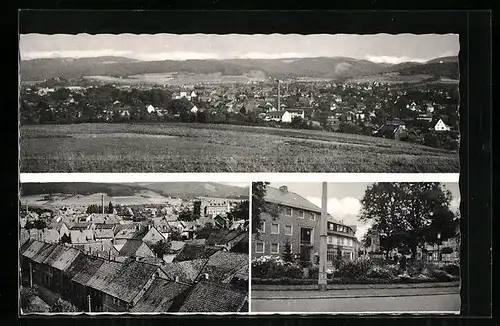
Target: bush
(380, 272)
(27, 294)
(62, 306)
(275, 267)
(355, 269)
(452, 269)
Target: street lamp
(439, 246)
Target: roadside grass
(219, 148)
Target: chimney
(284, 189)
(177, 278)
(102, 202)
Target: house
(184, 271)
(57, 262)
(81, 236)
(208, 297)
(441, 126)
(285, 116)
(391, 130)
(103, 218)
(83, 268)
(136, 248)
(224, 239)
(128, 285)
(162, 296)
(222, 266)
(194, 109)
(149, 235)
(194, 251)
(297, 225)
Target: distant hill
(173, 189)
(195, 189)
(338, 68)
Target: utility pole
(279, 105)
(88, 299)
(31, 276)
(322, 240)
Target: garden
(274, 270)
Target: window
(300, 214)
(288, 211)
(312, 216)
(263, 227)
(330, 255)
(339, 241)
(259, 247)
(330, 226)
(329, 240)
(275, 248)
(288, 230)
(339, 228)
(275, 228)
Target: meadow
(179, 147)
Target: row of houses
(217, 283)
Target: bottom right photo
(356, 247)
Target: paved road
(416, 300)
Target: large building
(298, 224)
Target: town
(421, 113)
(182, 255)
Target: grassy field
(176, 147)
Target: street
(381, 300)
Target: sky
(344, 199)
(377, 47)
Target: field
(140, 198)
(177, 78)
(177, 147)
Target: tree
(161, 248)
(297, 122)
(260, 206)
(36, 224)
(110, 208)
(408, 214)
(243, 110)
(65, 238)
(175, 235)
(287, 253)
(447, 250)
(61, 305)
(93, 208)
(241, 211)
(187, 215)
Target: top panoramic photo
(239, 103)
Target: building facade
(298, 224)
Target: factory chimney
(102, 203)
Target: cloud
(393, 60)
(28, 55)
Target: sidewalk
(314, 287)
(353, 293)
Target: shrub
(355, 269)
(452, 269)
(27, 294)
(274, 267)
(380, 272)
(314, 272)
(62, 306)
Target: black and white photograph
(134, 248)
(378, 103)
(356, 247)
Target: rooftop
(160, 296)
(207, 297)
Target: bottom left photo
(161, 247)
